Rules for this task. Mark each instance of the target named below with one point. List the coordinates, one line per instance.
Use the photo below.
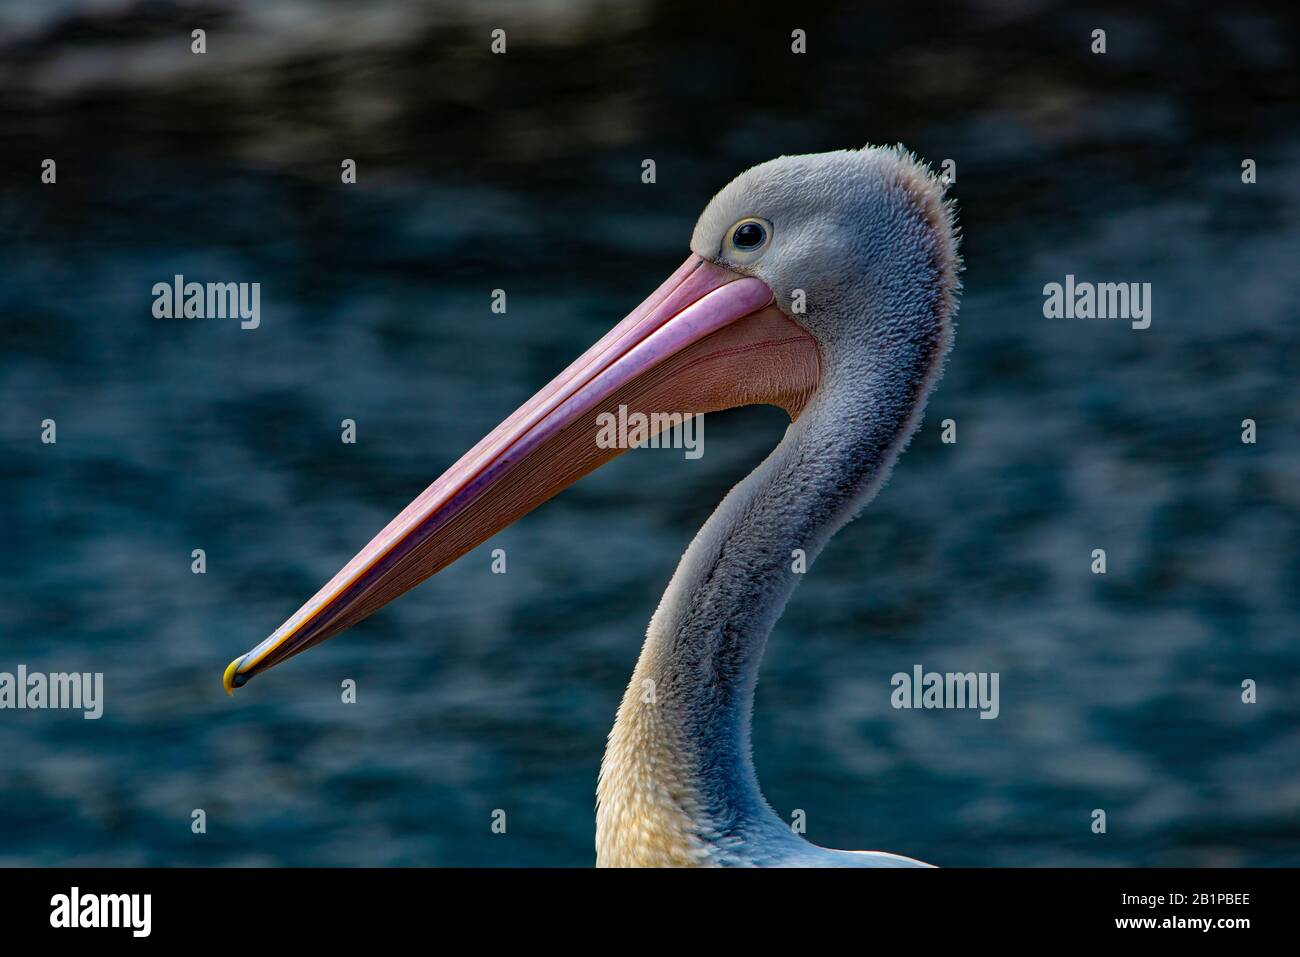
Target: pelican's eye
(748, 238)
(749, 235)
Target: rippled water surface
(481, 691)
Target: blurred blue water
(479, 691)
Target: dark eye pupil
(749, 235)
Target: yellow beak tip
(228, 679)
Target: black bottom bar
(337, 907)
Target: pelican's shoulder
(773, 844)
(811, 855)
(878, 859)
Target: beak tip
(230, 680)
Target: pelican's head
(807, 273)
(858, 247)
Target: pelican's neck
(677, 783)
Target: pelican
(825, 284)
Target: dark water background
(479, 691)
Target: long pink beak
(707, 339)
